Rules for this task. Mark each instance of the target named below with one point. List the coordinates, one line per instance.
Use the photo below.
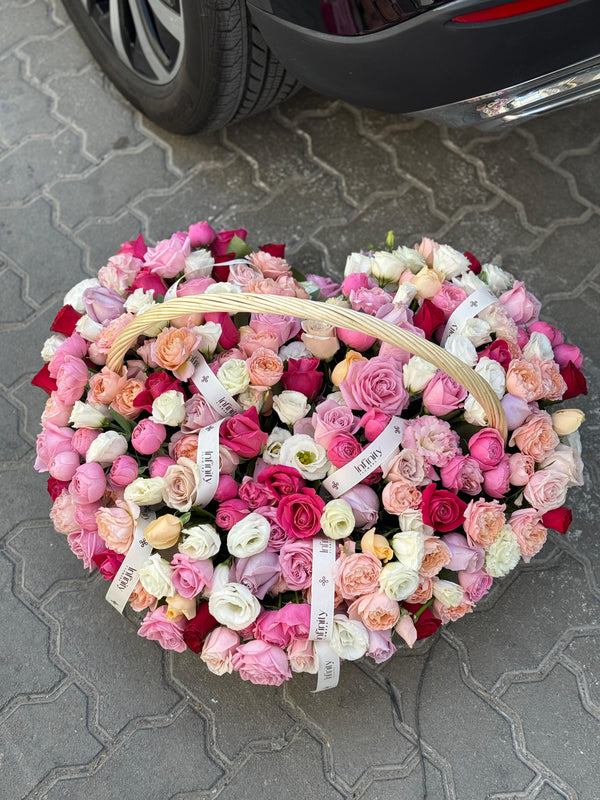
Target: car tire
(189, 65)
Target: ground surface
(510, 702)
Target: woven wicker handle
(321, 312)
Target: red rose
(230, 335)
(137, 247)
(300, 514)
(43, 380)
(302, 376)
(343, 448)
(56, 487)
(441, 509)
(498, 351)
(243, 435)
(276, 250)
(198, 628)
(429, 318)
(474, 262)
(427, 623)
(149, 282)
(575, 380)
(108, 562)
(65, 321)
(558, 519)
(157, 383)
(220, 244)
(282, 480)
(221, 270)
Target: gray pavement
(510, 697)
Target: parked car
(197, 65)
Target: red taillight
(508, 10)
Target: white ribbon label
(172, 290)
(321, 611)
(211, 388)
(208, 461)
(123, 584)
(468, 309)
(367, 462)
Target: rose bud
(567, 420)
(163, 532)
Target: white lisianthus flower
(462, 348)
(233, 375)
(476, 330)
(504, 554)
(87, 328)
(272, 450)
(106, 447)
(474, 412)
(449, 261)
(410, 258)
(417, 374)
(169, 408)
(211, 333)
(140, 301)
(497, 279)
(249, 536)
(223, 288)
(337, 519)
(409, 548)
(198, 263)
(469, 282)
(155, 575)
(234, 606)
(350, 638)
(85, 415)
(291, 406)
(386, 267)
(309, 458)
(357, 262)
(397, 581)
(406, 293)
(448, 593)
(538, 346)
(74, 297)
(494, 374)
(145, 491)
(295, 350)
(51, 345)
(200, 542)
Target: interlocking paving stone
(20, 19)
(24, 110)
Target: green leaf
(299, 276)
(239, 247)
(125, 424)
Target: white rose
(87, 328)
(538, 346)
(409, 548)
(252, 397)
(417, 374)
(211, 333)
(309, 458)
(338, 301)
(412, 520)
(233, 376)
(200, 542)
(51, 345)
(357, 262)
(406, 293)
(494, 374)
(249, 536)
(448, 593)
(295, 350)
(145, 491)
(411, 259)
(474, 412)
(397, 581)
(469, 282)
(497, 279)
(337, 520)
(291, 406)
(350, 638)
(462, 348)
(504, 554)
(449, 261)
(169, 408)
(155, 575)
(476, 330)
(386, 267)
(567, 461)
(140, 301)
(234, 606)
(106, 447)
(84, 415)
(74, 297)
(198, 263)
(223, 288)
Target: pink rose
(369, 299)
(261, 663)
(280, 627)
(120, 271)
(524, 380)
(230, 512)
(328, 287)
(82, 439)
(258, 573)
(242, 434)
(365, 505)
(522, 306)
(201, 234)
(451, 613)
(529, 530)
(448, 298)
(252, 341)
(464, 556)
(158, 466)
(167, 259)
(487, 447)
(302, 656)
(330, 419)
(56, 412)
(75, 346)
(462, 474)
(521, 468)
(124, 470)
(63, 464)
(285, 328)
(546, 490)
(443, 394)
(357, 574)
(300, 514)
(198, 414)
(476, 584)
(377, 383)
(265, 368)
(563, 353)
(85, 545)
(85, 514)
(88, 483)
(190, 576)
(343, 447)
(355, 281)
(218, 649)
(295, 559)
(355, 339)
(147, 436)
(270, 266)
(168, 633)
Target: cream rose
(249, 536)
(474, 412)
(200, 542)
(448, 593)
(337, 520)
(291, 406)
(350, 638)
(51, 345)
(106, 447)
(309, 458)
(538, 346)
(169, 408)
(476, 330)
(233, 376)
(504, 554)
(145, 491)
(87, 328)
(428, 282)
(417, 374)
(412, 520)
(409, 549)
(469, 282)
(223, 288)
(155, 576)
(397, 581)
(211, 333)
(234, 606)
(74, 297)
(84, 415)
(181, 484)
(294, 350)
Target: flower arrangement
(276, 491)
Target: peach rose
(451, 613)
(116, 525)
(399, 496)
(173, 347)
(62, 514)
(141, 599)
(252, 341)
(104, 386)
(270, 266)
(423, 592)
(340, 371)
(536, 437)
(529, 530)
(265, 368)
(484, 521)
(319, 338)
(287, 283)
(357, 574)
(181, 484)
(98, 350)
(269, 286)
(123, 400)
(185, 446)
(376, 611)
(376, 544)
(524, 379)
(554, 384)
(437, 556)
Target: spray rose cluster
(420, 534)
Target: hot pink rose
(487, 447)
(230, 512)
(167, 259)
(295, 559)
(190, 576)
(261, 663)
(227, 489)
(355, 281)
(563, 353)
(281, 480)
(242, 434)
(300, 514)
(462, 474)
(108, 563)
(330, 419)
(449, 298)
(148, 282)
(285, 624)
(374, 422)
(256, 494)
(147, 436)
(88, 483)
(553, 334)
(476, 584)
(168, 633)
(442, 510)
(443, 394)
(377, 383)
(258, 573)
(466, 557)
(302, 375)
(201, 234)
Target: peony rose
(487, 447)
(147, 436)
(399, 496)
(536, 437)
(88, 483)
(529, 530)
(168, 633)
(117, 525)
(375, 610)
(483, 521)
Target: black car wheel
(189, 65)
